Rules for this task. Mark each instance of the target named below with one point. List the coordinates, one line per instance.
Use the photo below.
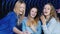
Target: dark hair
(36, 18)
(21, 1)
(36, 8)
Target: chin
(45, 14)
(32, 16)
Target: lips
(20, 12)
(33, 14)
(45, 12)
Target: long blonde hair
(15, 9)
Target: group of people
(16, 23)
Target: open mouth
(45, 12)
(21, 12)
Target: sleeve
(23, 25)
(39, 28)
(45, 29)
(12, 21)
(48, 30)
(6, 18)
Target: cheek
(35, 14)
(31, 13)
(20, 9)
(44, 10)
(48, 11)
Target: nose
(23, 9)
(45, 9)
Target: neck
(47, 17)
(31, 18)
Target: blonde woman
(31, 24)
(19, 10)
(13, 19)
(50, 22)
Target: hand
(43, 19)
(26, 32)
(20, 33)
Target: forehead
(35, 9)
(47, 6)
(20, 4)
(17, 4)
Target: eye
(32, 11)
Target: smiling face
(20, 8)
(33, 12)
(47, 10)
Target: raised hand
(43, 19)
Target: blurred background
(7, 5)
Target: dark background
(7, 6)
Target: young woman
(31, 24)
(8, 24)
(19, 10)
(49, 20)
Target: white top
(53, 27)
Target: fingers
(42, 17)
(26, 32)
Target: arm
(45, 29)
(24, 27)
(49, 29)
(17, 30)
(13, 21)
(50, 25)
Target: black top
(19, 27)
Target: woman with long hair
(31, 24)
(19, 10)
(49, 20)
(11, 23)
